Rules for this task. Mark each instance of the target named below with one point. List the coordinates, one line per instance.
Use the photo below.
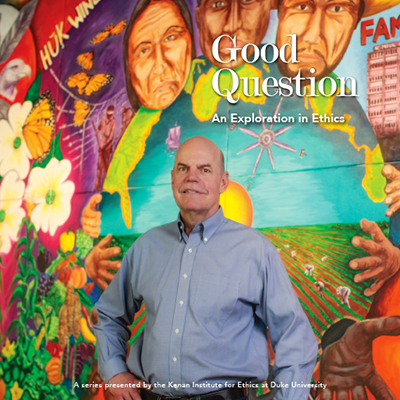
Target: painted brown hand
(383, 261)
(347, 365)
(392, 189)
(98, 262)
(91, 218)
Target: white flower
(11, 214)
(14, 153)
(50, 193)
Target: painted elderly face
(159, 54)
(323, 28)
(246, 19)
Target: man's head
(246, 19)
(158, 50)
(198, 178)
(110, 111)
(324, 29)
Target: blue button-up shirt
(209, 298)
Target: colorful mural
(95, 99)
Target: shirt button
(205, 239)
(174, 359)
(190, 250)
(185, 276)
(181, 302)
(176, 330)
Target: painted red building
(383, 89)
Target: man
(127, 115)
(105, 135)
(323, 29)
(246, 20)
(211, 286)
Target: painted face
(197, 178)
(246, 19)
(159, 54)
(323, 28)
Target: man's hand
(347, 365)
(126, 393)
(91, 218)
(384, 259)
(97, 262)
(392, 189)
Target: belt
(225, 394)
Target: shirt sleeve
(290, 331)
(116, 309)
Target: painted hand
(97, 263)
(384, 259)
(91, 218)
(347, 365)
(392, 189)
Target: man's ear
(224, 182)
(172, 177)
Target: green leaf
(18, 293)
(22, 241)
(39, 310)
(85, 299)
(54, 264)
(33, 93)
(52, 328)
(15, 324)
(22, 267)
(55, 151)
(31, 244)
(31, 350)
(7, 377)
(8, 395)
(17, 277)
(46, 357)
(15, 373)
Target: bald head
(201, 142)
(198, 179)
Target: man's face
(198, 178)
(323, 28)
(246, 19)
(159, 54)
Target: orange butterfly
(82, 110)
(38, 128)
(88, 84)
(110, 30)
(85, 60)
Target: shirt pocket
(215, 300)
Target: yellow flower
(8, 349)
(67, 241)
(16, 391)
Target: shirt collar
(207, 228)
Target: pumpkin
(53, 371)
